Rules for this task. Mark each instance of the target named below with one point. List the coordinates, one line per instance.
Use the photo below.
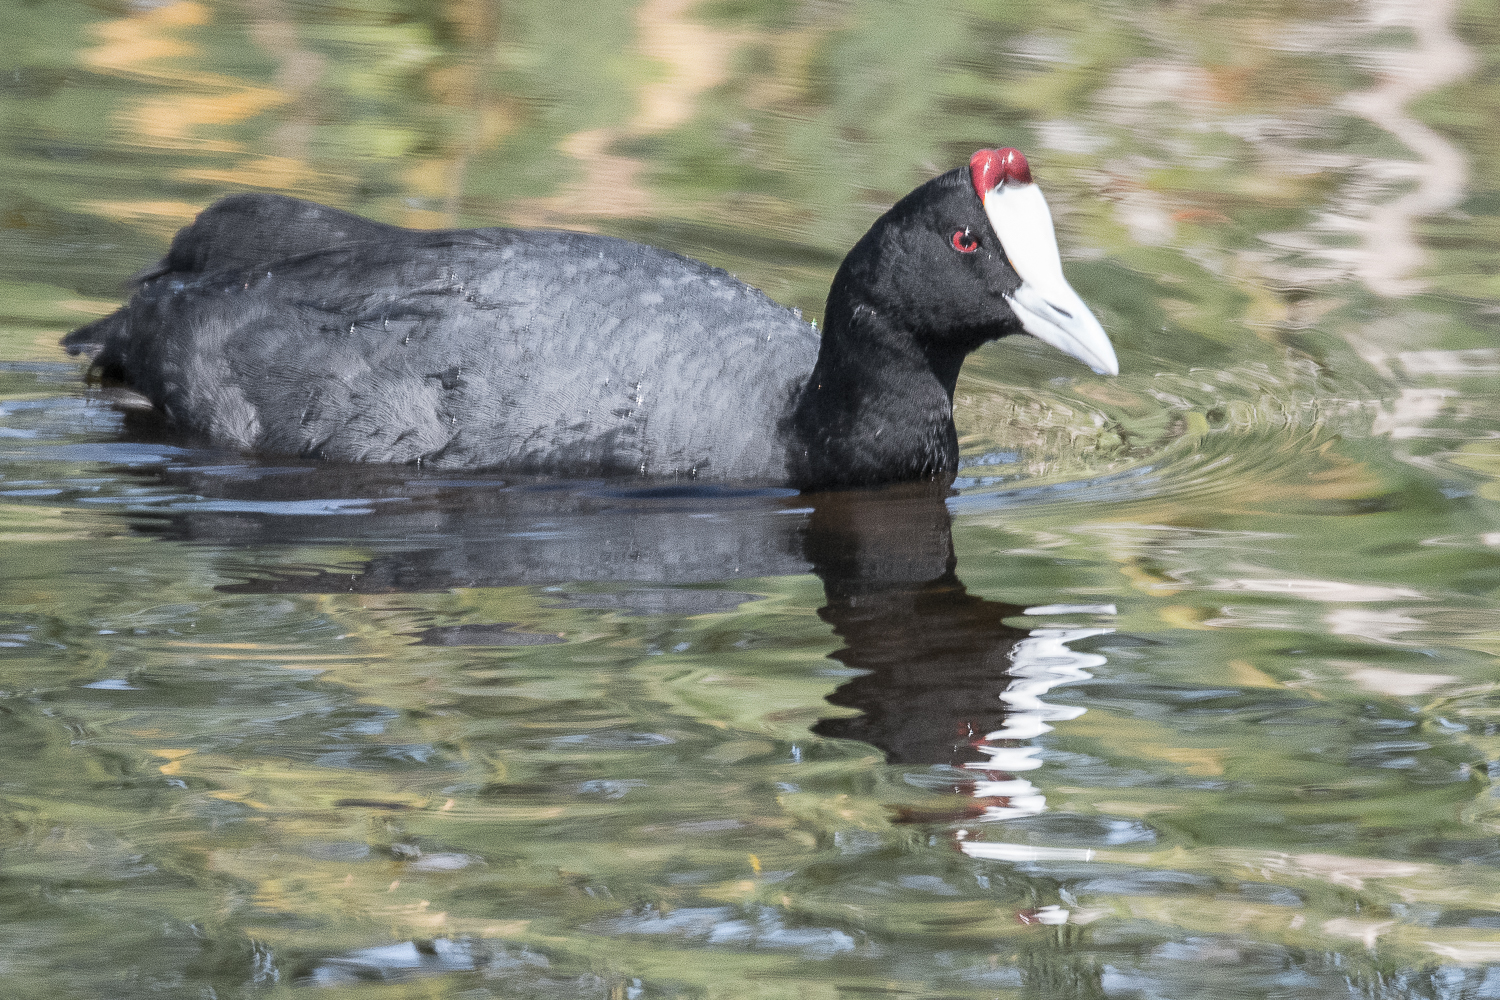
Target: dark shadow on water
(434, 533)
(933, 659)
(936, 656)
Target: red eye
(964, 243)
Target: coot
(288, 328)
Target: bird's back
(526, 350)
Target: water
(1189, 690)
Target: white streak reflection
(1024, 852)
(1071, 609)
(1039, 663)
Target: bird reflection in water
(947, 682)
(944, 681)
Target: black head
(968, 257)
(932, 265)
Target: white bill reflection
(1039, 663)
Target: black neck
(879, 404)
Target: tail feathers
(100, 342)
(89, 340)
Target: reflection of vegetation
(290, 777)
(292, 773)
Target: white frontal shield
(1046, 304)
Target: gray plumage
(426, 348)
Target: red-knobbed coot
(288, 328)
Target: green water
(1221, 634)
